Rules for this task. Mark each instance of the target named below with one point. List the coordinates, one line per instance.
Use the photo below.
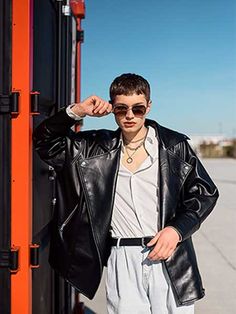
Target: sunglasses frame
(124, 112)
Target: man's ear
(149, 106)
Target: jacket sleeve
(198, 196)
(51, 136)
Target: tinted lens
(139, 110)
(120, 110)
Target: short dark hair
(129, 84)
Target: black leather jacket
(87, 165)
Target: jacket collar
(166, 137)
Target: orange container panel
(21, 155)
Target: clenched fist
(92, 106)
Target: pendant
(129, 160)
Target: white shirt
(135, 211)
(72, 114)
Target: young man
(129, 199)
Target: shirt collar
(151, 143)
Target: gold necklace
(136, 140)
(132, 148)
(129, 160)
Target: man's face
(130, 112)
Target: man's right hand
(93, 106)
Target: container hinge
(9, 103)
(10, 259)
(34, 98)
(34, 255)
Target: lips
(129, 124)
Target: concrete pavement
(215, 244)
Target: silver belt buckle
(142, 242)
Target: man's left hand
(164, 242)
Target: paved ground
(215, 244)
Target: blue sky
(185, 48)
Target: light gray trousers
(134, 284)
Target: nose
(129, 114)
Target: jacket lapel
(173, 171)
(98, 176)
(172, 174)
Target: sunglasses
(138, 110)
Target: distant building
(213, 146)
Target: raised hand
(93, 106)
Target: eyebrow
(136, 104)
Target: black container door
(51, 77)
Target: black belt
(131, 241)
